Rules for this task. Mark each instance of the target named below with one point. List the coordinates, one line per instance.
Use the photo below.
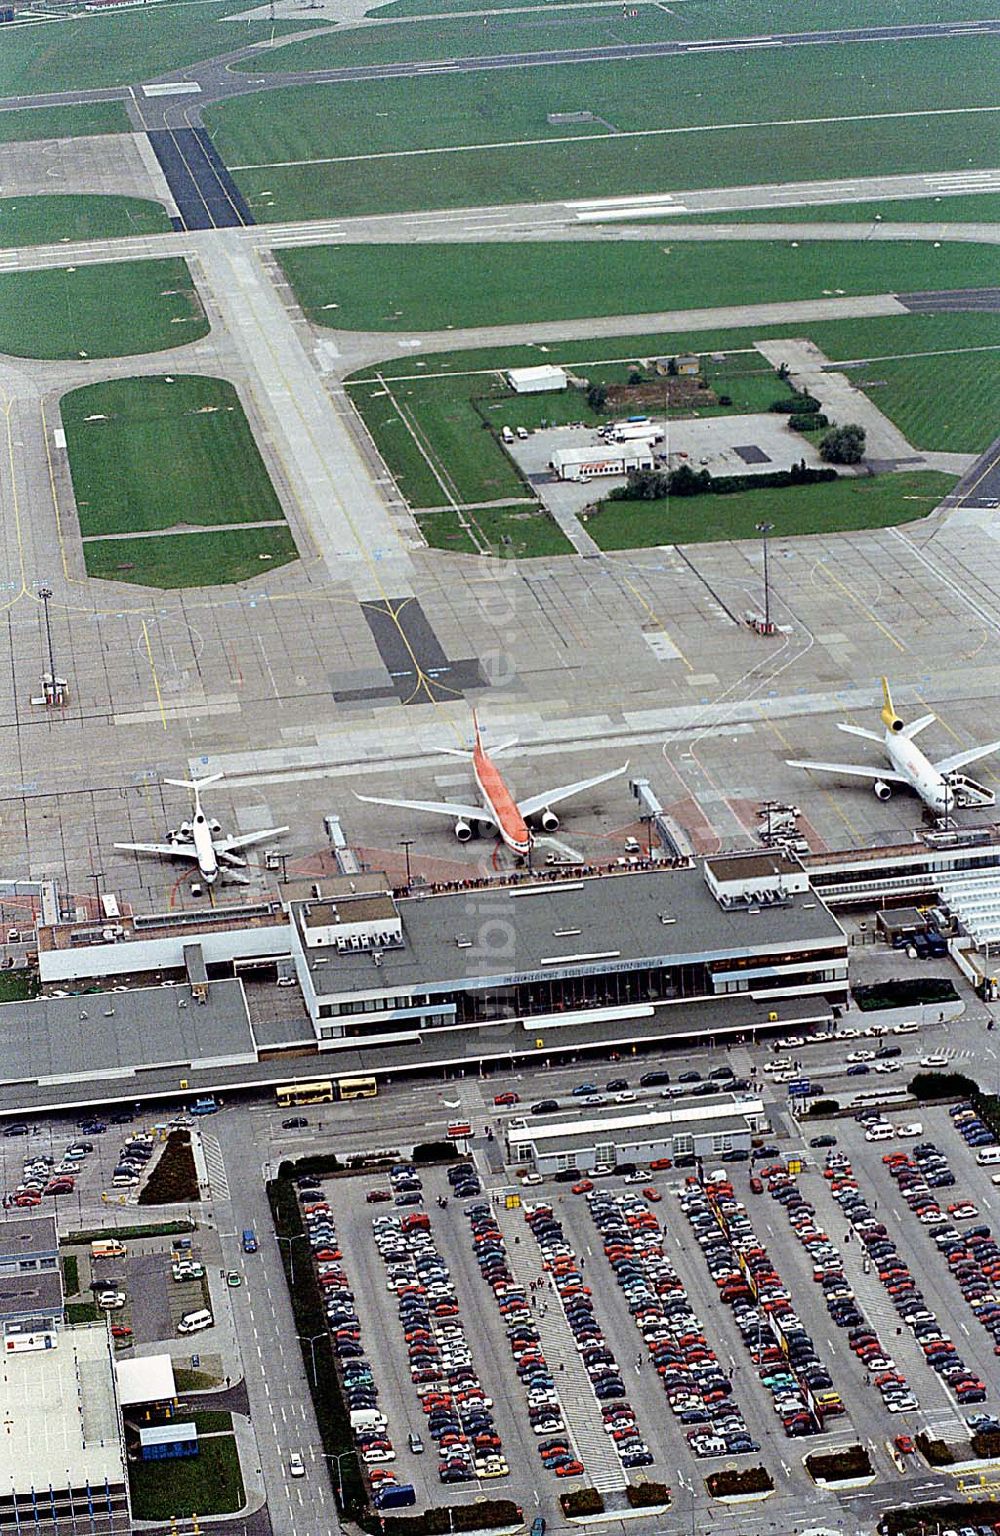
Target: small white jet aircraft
(939, 785)
(199, 839)
(498, 809)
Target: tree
(597, 398)
(843, 445)
(686, 481)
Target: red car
(376, 1196)
(570, 1469)
(510, 1097)
(121, 1331)
(583, 1187)
(651, 1194)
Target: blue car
(861, 1069)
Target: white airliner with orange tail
(499, 809)
(940, 786)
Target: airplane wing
(231, 844)
(972, 755)
(551, 797)
(885, 774)
(165, 850)
(435, 808)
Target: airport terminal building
(542, 957)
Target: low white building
(535, 381)
(601, 459)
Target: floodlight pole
(764, 529)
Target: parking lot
(59, 1165)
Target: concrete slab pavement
(360, 542)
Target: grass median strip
(18, 125)
(114, 309)
(191, 559)
(429, 287)
(45, 220)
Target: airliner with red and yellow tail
(498, 808)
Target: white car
(627, 1096)
(914, 1129)
(531, 1179)
(296, 1466)
(861, 1056)
(639, 1176)
(887, 1066)
(934, 1060)
(910, 1027)
(111, 1300)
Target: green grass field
(147, 454)
(512, 31)
(20, 124)
(838, 506)
(207, 1484)
(976, 208)
(118, 309)
(92, 50)
(309, 148)
(428, 287)
(743, 18)
(511, 533)
(46, 219)
(941, 402)
(191, 559)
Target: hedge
(820, 1107)
(911, 1519)
(909, 993)
(641, 1495)
(581, 1501)
(154, 1229)
(174, 1179)
(986, 1445)
(486, 1516)
(934, 1452)
(750, 1480)
(942, 1085)
(838, 1466)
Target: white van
(194, 1322)
(879, 1133)
(367, 1418)
(988, 1155)
(107, 1248)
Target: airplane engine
(549, 820)
(215, 827)
(883, 791)
(463, 831)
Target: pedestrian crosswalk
(215, 1166)
(580, 1410)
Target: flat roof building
(696, 1128)
(31, 1292)
(534, 381)
(62, 1464)
(540, 957)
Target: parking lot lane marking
(964, 1329)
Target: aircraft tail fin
(890, 719)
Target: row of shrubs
(657, 484)
(906, 992)
(730, 1483)
(840, 1466)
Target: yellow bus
(356, 1087)
(325, 1090)
(319, 1092)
